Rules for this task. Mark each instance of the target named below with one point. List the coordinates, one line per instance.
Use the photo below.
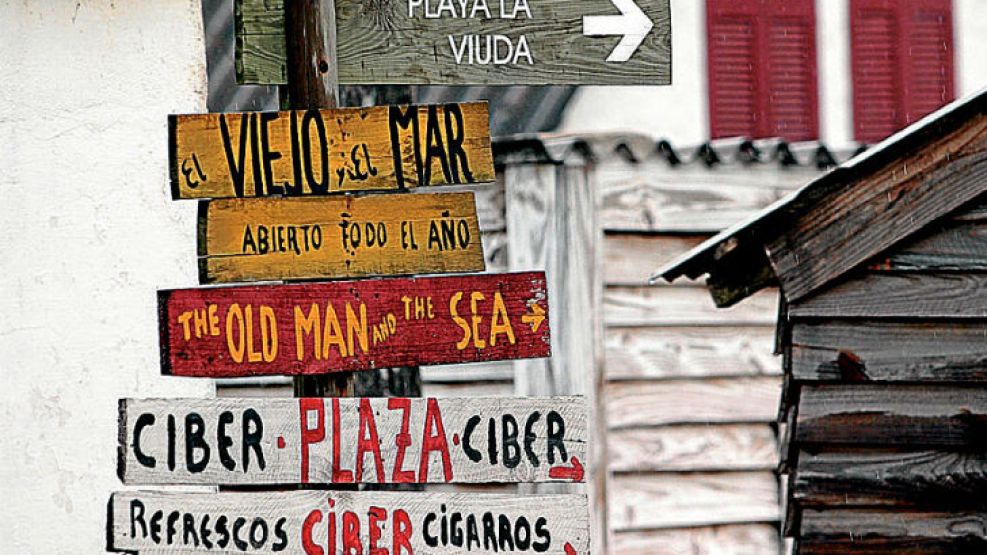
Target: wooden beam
(869, 215)
(875, 531)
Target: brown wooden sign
(318, 152)
(317, 328)
(342, 236)
(330, 522)
(351, 440)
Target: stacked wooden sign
(244, 164)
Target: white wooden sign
(351, 440)
(330, 523)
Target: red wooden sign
(318, 328)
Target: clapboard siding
(730, 539)
(664, 500)
(866, 532)
(690, 352)
(892, 478)
(631, 259)
(682, 305)
(691, 448)
(913, 415)
(724, 400)
(954, 246)
(652, 197)
(889, 351)
(900, 295)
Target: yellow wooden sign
(341, 236)
(318, 152)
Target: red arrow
(574, 472)
(569, 550)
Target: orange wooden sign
(342, 236)
(318, 152)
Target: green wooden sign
(474, 42)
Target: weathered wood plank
(873, 532)
(693, 448)
(954, 246)
(893, 478)
(672, 500)
(418, 44)
(351, 440)
(266, 239)
(726, 400)
(689, 198)
(630, 259)
(551, 222)
(363, 521)
(295, 153)
(899, 295)
(261, 53)
(468, 373)
(476, 389)
(318, 328)
(917, 415)
(730, 539)
(889, 351)
(690, 352)
(674, 305)
(856, 223)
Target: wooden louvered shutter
(762, 68)
(928, 65)
(902, 57)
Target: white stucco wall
(679, 112)
(89, 234)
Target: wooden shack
(882, 328)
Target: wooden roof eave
(739, 260)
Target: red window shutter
(761, 59)
(902, 58)
(928, 71)
(732, 68)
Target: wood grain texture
(727, 400)
(630, 259)
(926, 479)
(352, 440)
(674, 305)
(265, 239)
(409, 517)
(319, 328)
(889, 351)
(856, 223)
(382, 44)
(689, 352)
(693, 448)
(315, 152)
(875, 532)
(652, 196)
(669, 500)
(899, 295)
(551, 223)
(729, 539)
(952, 246)
(918, 415)
(261, 53)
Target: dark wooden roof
(844, 217)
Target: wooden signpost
(341, 236)
(478, 42)
(317, 152)
(318, 328)
(351, 440)
(330, 523)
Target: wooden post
(551, 225)
(313, 82)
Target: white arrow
(632, 23)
